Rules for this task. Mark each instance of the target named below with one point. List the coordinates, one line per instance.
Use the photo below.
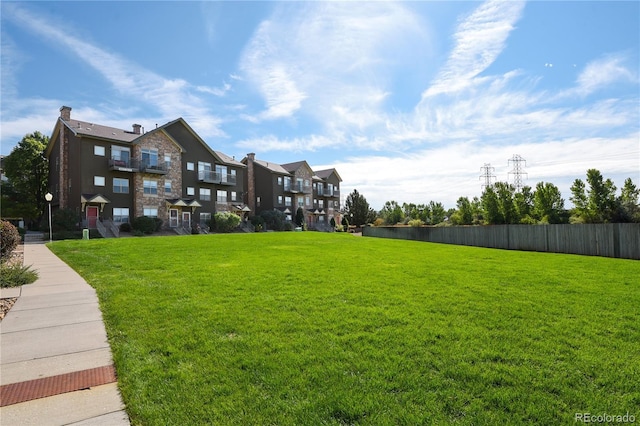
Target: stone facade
(159, 141)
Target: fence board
(604, 239)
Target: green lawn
(311, 328)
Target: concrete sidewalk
(55, 362)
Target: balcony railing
(128, 165)
(159, 168)
(296, 188)
(228, 179)
(209, 176)
(326, 192)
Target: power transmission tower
(487, 175)
(518, 170)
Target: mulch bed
(5, 304)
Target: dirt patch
(5, 305)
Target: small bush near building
(416, 223)
(145, 224)
(226, 222)
(125, 227)
(257, 222)
(64, 220)
(9, 239)
(273, 219)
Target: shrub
(288, 226)
(226, 222)
(378, 222)
(125, 227)
(9, 239)
(144, 224)
(158, 223)
(64, 220)
(16, 275)
(416, 223)
(333, 222)
(273, 219)
(257, 222)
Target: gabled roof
(229, 160)
(84, 128)
(292, 167)
(272, 167)
(219, 156)
(324, 174)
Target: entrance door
(173, 218)
(186, 219)
(92, 216)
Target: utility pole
(518, 170)
(487, 174)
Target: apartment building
(287, 187)
(109, 176)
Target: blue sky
(407, 100)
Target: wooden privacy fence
(604, 239)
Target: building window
(221, 196)
(167, 186)
(258, 201)
(307, 201)
(191, 190)
(205, 194)
(205, 218)
(190, 166)
(279, 200)
(150, 187)
(321, 203)
(120, 215)
(98, 150)
(287, 201)
(287, 183)
(222, 172)
(300, 201)
(150, 211)
(98, 180)
(280, 180)
(150, 157)
(120, 186)
(234, 196)
(167, 160)
(120, 153)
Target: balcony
(128, 165)
(228, 179)
(296, 188)
(209, 176)
(146, 167)
(330, 193)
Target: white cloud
(446, 173)
(603, 72)
(329, 60)
(170, 97)
(479, 39)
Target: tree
(548, 204)
(628, 202)
(300, 217)
(523, 201)
(598, 204)
(392, 213)
(490, 207)
(357, 209)
(506, 202)
(465, 213)
(438, 212)
(27, 169)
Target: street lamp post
(49, 197)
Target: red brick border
(15, 393)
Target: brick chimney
(65, 113)
(251, 183)
(136, 129)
